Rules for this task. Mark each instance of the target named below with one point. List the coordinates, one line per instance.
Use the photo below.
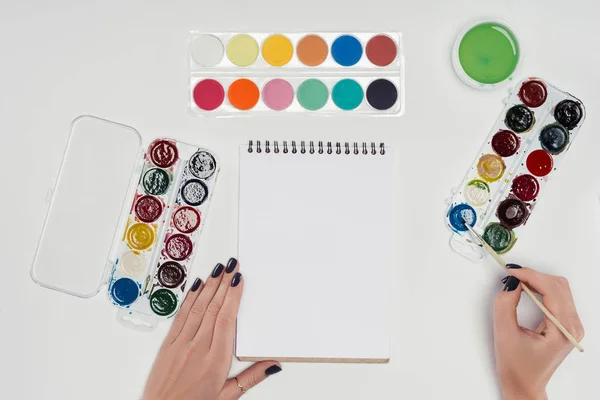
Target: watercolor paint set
(525, 146)
(331, 73)
(127, 218)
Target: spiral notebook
(315, 247)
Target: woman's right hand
(526, 359)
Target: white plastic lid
(85, 216)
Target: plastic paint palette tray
(502, 187)
(332, 73)
(125, 218)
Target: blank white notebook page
(315, 250)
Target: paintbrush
(526, 288)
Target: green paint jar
(486, 54)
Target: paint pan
(524, 147)
(136, 238)
(487, 54)
(317, 73)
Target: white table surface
(126, 61)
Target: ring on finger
(244, 391)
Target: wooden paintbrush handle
(551, 317)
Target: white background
(126, 61)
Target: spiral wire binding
(356, 148)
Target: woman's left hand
(195, 358)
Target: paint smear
(163, 302)
(178, 247)
(498, 237)
(477, 192)
(490, 167)
(461, 212)
(140, 236)
(512, 212)
(525, 187)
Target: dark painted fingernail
(217, 271)
(196, 284)
(511, 284)
(236, 279)
(505, 279)
(272, 370)
(513, 266)
(231, 265)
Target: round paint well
(519, 118)
(207, 50)
(278, 94)
(382, 94)
(486, 54)
(178, 247)
(148, 208)
(568, 113)
(208, 94)
(346, 50)
(170, 274)
(347, 94)
(525, 187)
(498, 237)
(505, 143)
(163, 302)
(140, 236)
(243, 94)
(540, 163)
(163, 153)
(533, 93)
(461, 212)
(490, 167)
(554, 138)
(194, 192)
(277, 50)
(156, 181)
(202, 164)
(242, 50)
(512, 213)
(124, 291)
(133, 264)
(477, 192)
(312, 50)
(186, 219)
(381, 50)
(312, 94)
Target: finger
(505, 308)
(207, 328)
(224, 332)
(184, 311)
(196, 314)
(248, 379)
(538, 281)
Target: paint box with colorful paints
(524, 148)
(315, 73)
(137, 232)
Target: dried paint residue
(490, 167)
